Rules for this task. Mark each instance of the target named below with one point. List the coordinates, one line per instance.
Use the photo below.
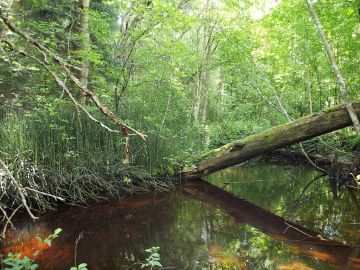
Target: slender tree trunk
(308, 78)
(207, 71)
(197, 96)
(335, 68)
(309, 86)
(221, 89)
(198, 83)
(85, 39)
(205, 97)
(205, 105)
(208, 46)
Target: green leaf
(82, 265)
(58, 231)
(156, 263)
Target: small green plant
(51, 237)
(13, 261)
(81, 266)
(153, 260)
(127, 180)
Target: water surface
(252, 217)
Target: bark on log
(304, 128)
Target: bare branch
(34, 42)
(46, 194)
(8, 219)
(104, 109)
(62, 85)
(19, 189)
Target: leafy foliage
(81, 266)
(192, 75)
(15, 261)
(48, 240)
(154, 258)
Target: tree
(334, 66)
(85, 38)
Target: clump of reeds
(60, 153)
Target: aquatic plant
(15, 261)
(81, 266)
(48, 240)
(153, 260)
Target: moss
(217, 151)
(286, 134)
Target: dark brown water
(249, 217)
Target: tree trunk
(307, 127)
(198, 85)
(335, 68)
(309, 86)
(207, 70)
(221, 90)
(197, 96)
(85, 39)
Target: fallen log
(307, 127)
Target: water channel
(255, 216)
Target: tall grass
(61, 152)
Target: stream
(255, 216)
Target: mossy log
(328, 120)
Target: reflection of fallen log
(301, 240)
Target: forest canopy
(112, 93)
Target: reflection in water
(210, 229)
(298, 238)
(278, 189)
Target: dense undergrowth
(61, 152)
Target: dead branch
(19, 189)
(62, 84)
(65, 67)
(46, 194)
(8, 219)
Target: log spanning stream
(248, 217)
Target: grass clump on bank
(65, 154)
